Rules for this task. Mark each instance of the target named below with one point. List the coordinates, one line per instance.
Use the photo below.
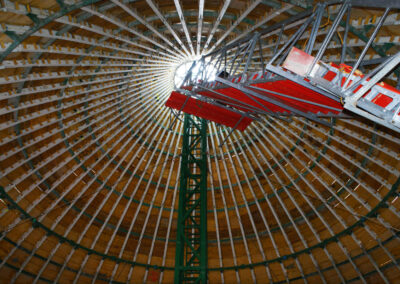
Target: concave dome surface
(89, 167)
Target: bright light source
(181, 71)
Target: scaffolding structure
(191, 245)
(295, 78)
(89, 178)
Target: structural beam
(191, 243)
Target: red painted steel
(207, 111)
(298, 62)
(290, 94)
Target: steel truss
(253, 59)
(101, 123)
(191, 246)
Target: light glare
(183, 69)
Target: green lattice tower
(191, 241)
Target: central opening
(206, 72)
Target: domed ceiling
(90, 166)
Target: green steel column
(191, 244)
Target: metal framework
(89, 166)
(245, 63)
(191, 240)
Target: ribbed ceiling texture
(90, 167)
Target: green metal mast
(191, 241)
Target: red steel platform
(208, 111)
(286, 92)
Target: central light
(207, 73)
